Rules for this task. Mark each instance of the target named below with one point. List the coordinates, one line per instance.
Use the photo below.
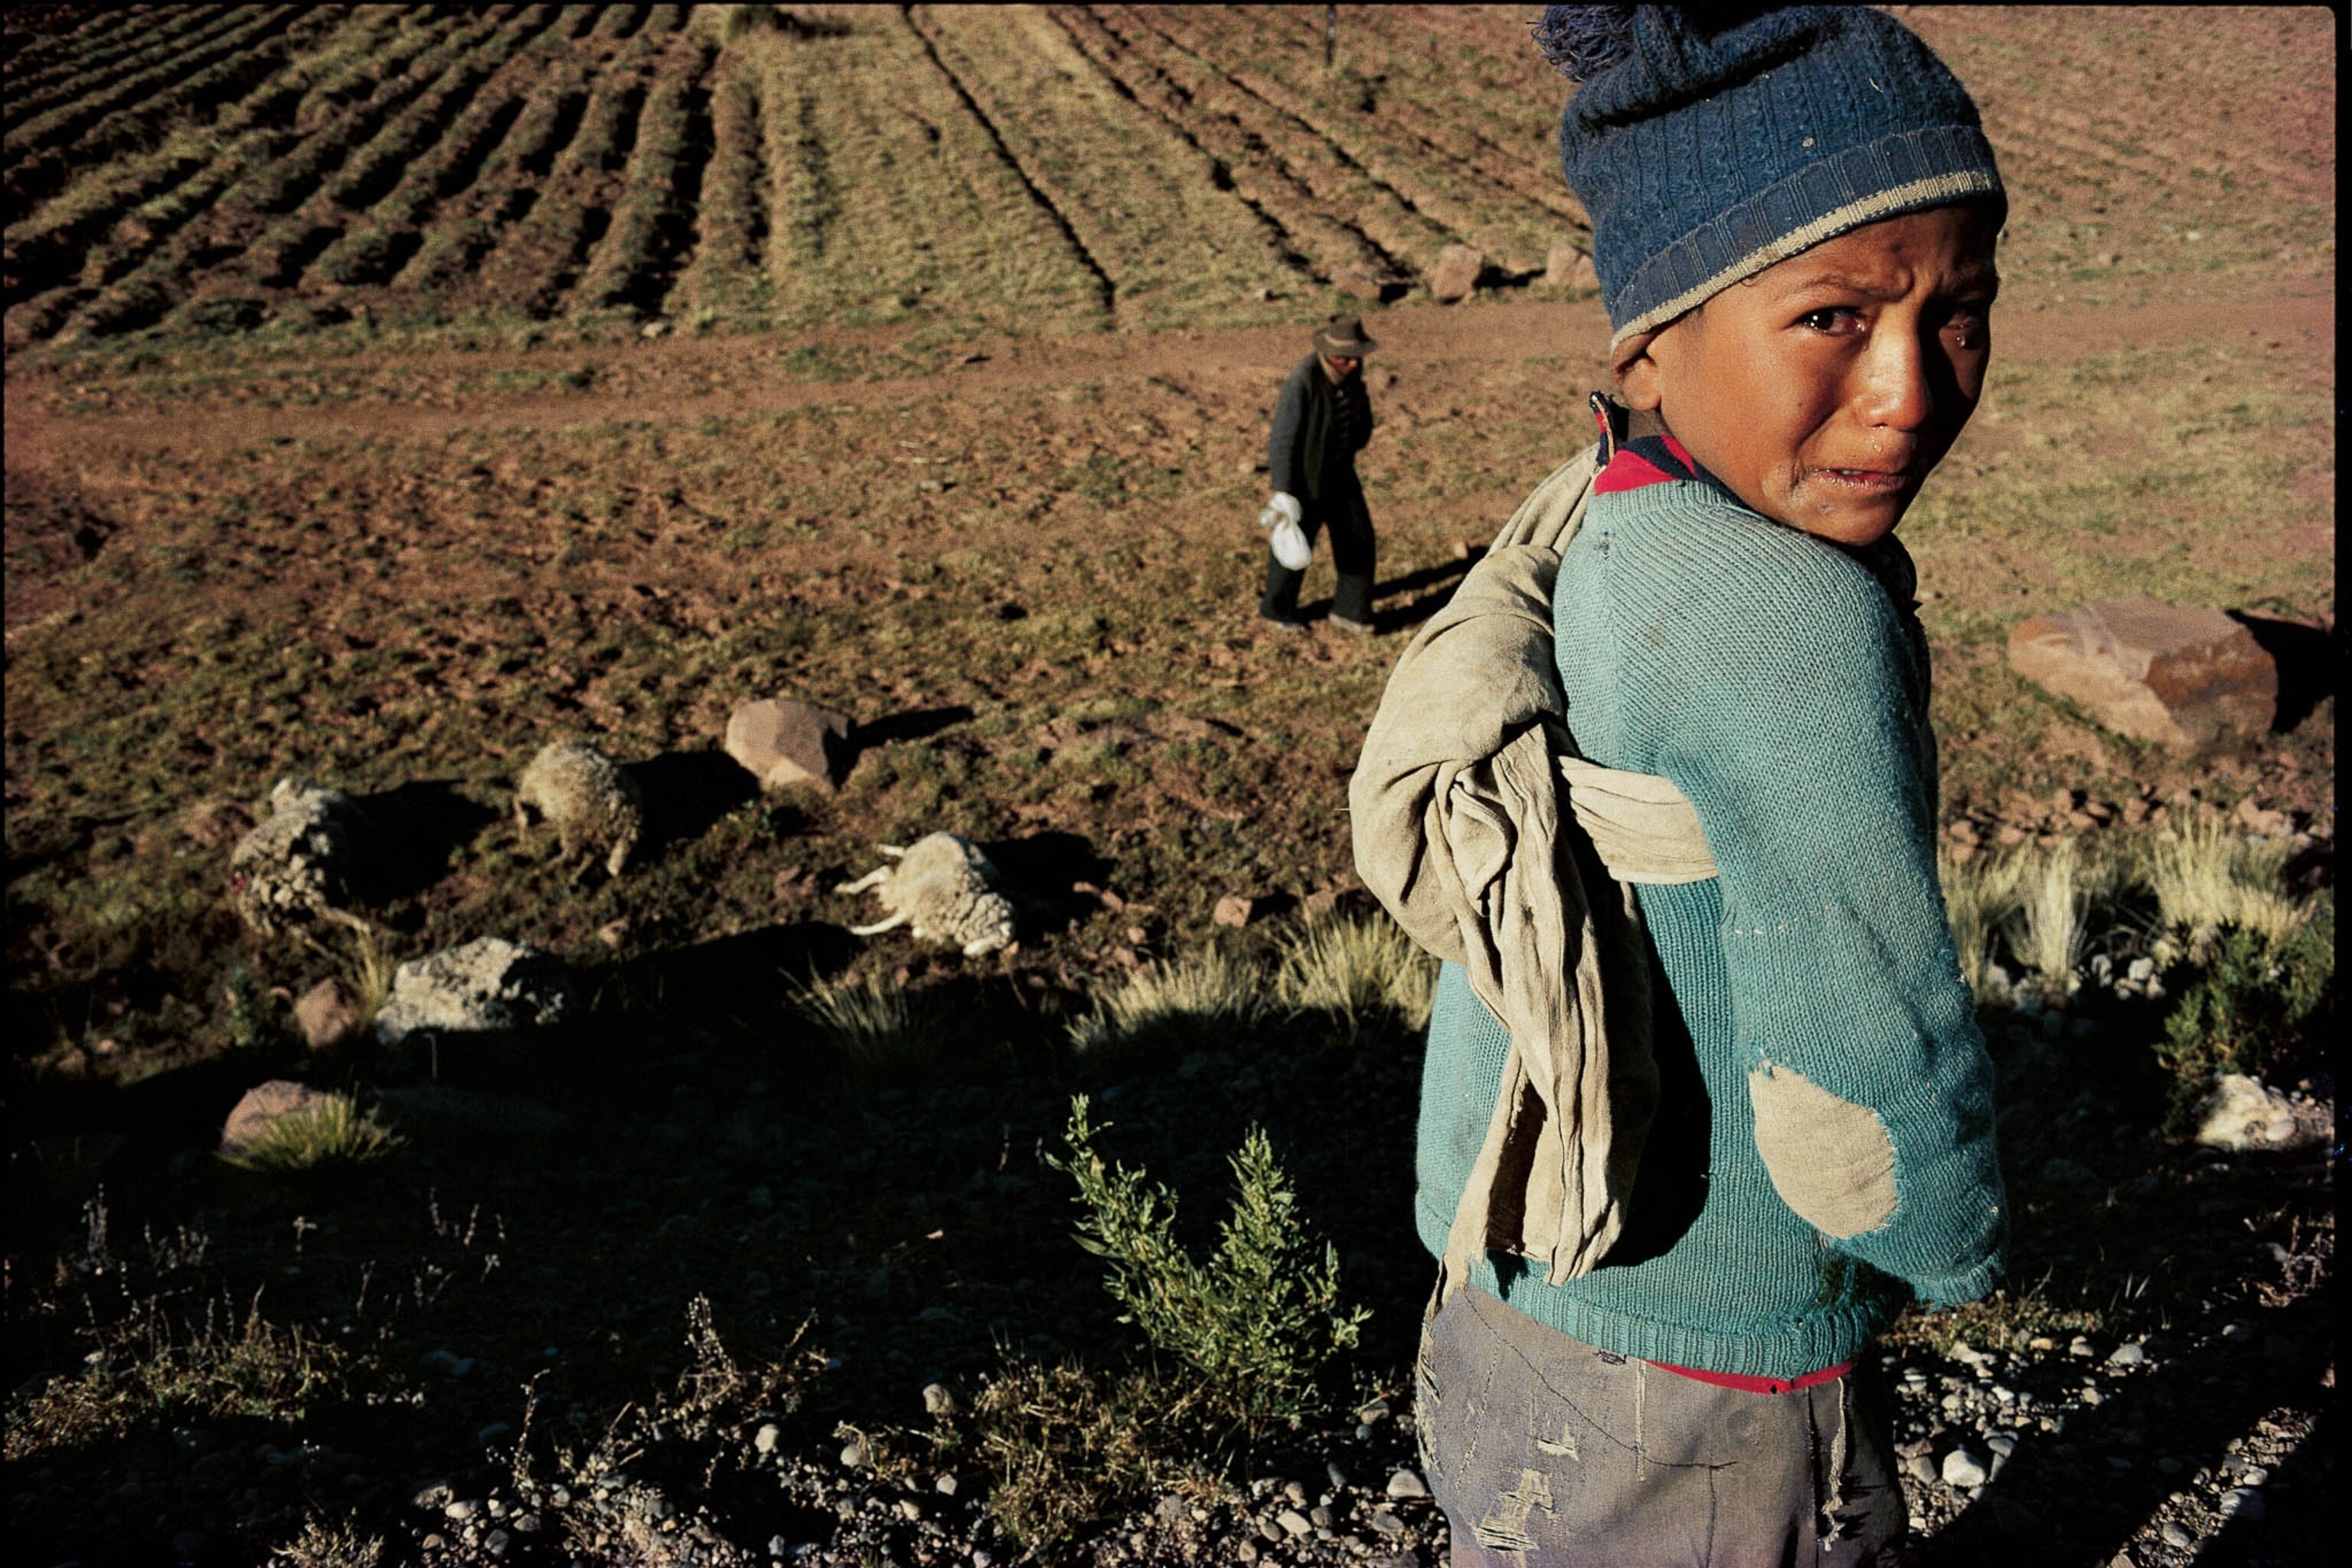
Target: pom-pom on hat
(1706, 144)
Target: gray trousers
(1353, 550)
(1547, 1453)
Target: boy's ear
(1638, 379)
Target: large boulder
(2183, 677)
(487, 986)
(1455, 276)
(784, 740)
(1567, 266)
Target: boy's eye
(1831, 318)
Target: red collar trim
(1629, 470)
(1755, 1385)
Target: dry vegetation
(336, 446)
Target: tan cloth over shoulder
(1459, 830)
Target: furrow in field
(341, 159)
(538, 256)
(82, 122)
(103, 34)
(38, 92)
(1144, 203)
(979, 103)
(507, 184)
(632, 267)
(113, 217)
(49, 152)
(1344, 218)
(432, 149)
(723, 277)
(1413, 174)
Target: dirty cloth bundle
(1456, 804)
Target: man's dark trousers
(1350, 520)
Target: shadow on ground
(2305, 656)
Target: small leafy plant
(1253, 1328)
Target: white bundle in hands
(1290, 543)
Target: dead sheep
(946, 890)
(590, 802)
(296, 865)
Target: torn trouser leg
(1545, 1453)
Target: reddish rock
(784, 740)
(265, 1103)
(1569, 267)
(1356, 283)
(1455, 276)
(2183, 677)
(1233, 909)
(327, 1015)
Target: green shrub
(2251, 1003)
(1253, 1328)
(1364, 971)
(1172, 1008)
(334, 1131)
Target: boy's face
(1825, 389)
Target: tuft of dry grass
(1362, 969)
(322, 1546)
(1173, 1007)
(1064, 1444)
(334, 1131)
(2205, 876)
(2052, 916)
(1979, 898)
(871, 1022)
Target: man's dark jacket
(1302, 455)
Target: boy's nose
(1897, 387)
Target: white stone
(1962, 1468)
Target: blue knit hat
(1707, 147)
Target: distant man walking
(1321, 422)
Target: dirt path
(689, 379)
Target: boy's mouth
(1868, 481)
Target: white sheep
(591, 803)
(296, 865)
(945, 888)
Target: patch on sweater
(1831, 1161)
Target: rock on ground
(1356, 283)
(2241, 1113)
(2178, 674)
(489, 984)
(265, 1103)
(327, 1015)
(784, 740)
(1569, 267)
(1455, 276)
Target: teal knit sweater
(1769, 676)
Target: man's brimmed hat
(1342, 337)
